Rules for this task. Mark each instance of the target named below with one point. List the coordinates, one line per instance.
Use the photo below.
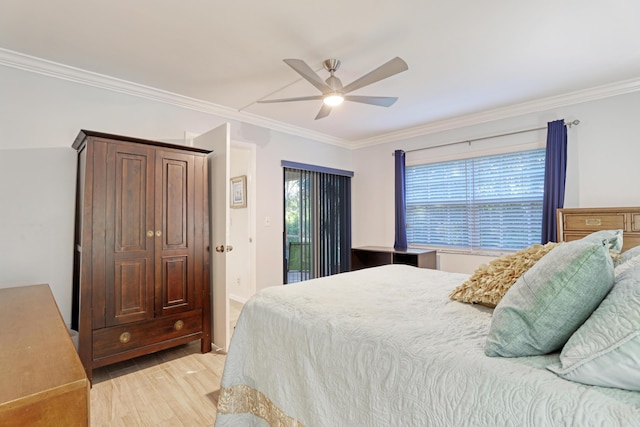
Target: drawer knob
(125, 337)
(178, 325)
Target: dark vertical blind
(323, 239)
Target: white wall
(602, 170)
(36, 229)
(270, 190)
(40, 117)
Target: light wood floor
(176, 387)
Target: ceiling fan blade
(388, 69)
(300, 98)
(382, 101)
(305, 71)
(324, 112)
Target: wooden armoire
(141, 259)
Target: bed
(386, 346)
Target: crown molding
(45, 67)
(577, 97)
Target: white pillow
(626, 256)
(605, 350)
(630, 263)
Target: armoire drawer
(122, 338)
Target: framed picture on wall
(239, 192)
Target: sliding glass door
(317, 228)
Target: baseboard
(237, 298)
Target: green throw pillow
(613, 237)
(551, 300)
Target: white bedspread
(386, 347)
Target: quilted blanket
(386, 347)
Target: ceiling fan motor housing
(331, 65)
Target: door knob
(229, 248)
(220, 248)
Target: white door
(218, 140)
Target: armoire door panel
(175, 199)
(131, 208)
(174, 213)
(175, 282)
(131, 291)
(129, 248)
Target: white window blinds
(483, 203)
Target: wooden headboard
(575, 223)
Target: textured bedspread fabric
(386, 347)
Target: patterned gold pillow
(490, 282)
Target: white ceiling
(464, 56)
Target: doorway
(317, 222)
(241, 267)
(227, 246)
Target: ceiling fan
(333, 93)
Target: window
(483, 203)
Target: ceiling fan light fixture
(333, 92)
(333, 99)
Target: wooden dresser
(43, 382)
(575, 223)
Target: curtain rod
(469, 141)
